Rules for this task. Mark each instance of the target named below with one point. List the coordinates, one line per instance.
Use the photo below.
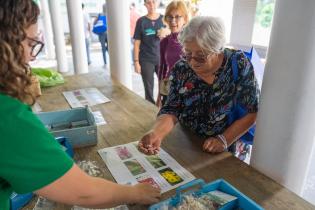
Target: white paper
(85, 97)
(129, 166)
(99, 119)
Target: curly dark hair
(15, 74)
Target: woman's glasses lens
(170, 18)
(37, 47)
(198, 59)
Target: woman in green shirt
(30, 158)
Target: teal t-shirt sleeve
(31, 158)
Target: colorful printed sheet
(129, 166)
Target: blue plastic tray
(242, 201)
(78, 136)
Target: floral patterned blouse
(205, 108)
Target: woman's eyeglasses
(199, 59)
(170, 18)
(37, 47)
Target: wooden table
(129, 117)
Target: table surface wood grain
(129, 116)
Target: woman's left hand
(213, 145)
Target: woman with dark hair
(148, 32)
(30, 158)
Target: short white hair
(208, 32)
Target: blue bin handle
(193, 183)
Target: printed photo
(77, 93)
(81, 98)
(170, 176)
(123, 153)
(155, 161)
(148, 180)
(134, 167)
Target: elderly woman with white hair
(205, 90)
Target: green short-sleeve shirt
(30, 158)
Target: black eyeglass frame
(199, 59)
(38, 43)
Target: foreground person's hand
(146, 193)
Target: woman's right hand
(137, 67)
(146, 193)
(150, 143)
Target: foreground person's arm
(77, 188)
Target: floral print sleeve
(246, 85)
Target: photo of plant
(123, 153)
(155, 161)
(170, 176)
(148, 180)
(134, 167)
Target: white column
(48, 33)
(243, 19)
(75, 16)
(286, 121)
(60, 46)
(118, 18)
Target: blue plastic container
(242, 201)
(78, 136)
(64, 142)
(17, 201)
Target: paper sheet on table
(99, 119)
(85, 97)
(129, 166)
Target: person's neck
(217, 64)
(153, 15)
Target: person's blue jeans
(87, 46)
(104, 44)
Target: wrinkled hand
(137, 68)
(163, 32)
(150, 143)
(146, 194)
(213, 145)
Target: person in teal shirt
(30, 158)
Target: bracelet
(222, 138)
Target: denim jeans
(104, 44)
(87, 46)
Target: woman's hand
(146, 194)
(137, 67)
(150, 143)
(163, 32)
(213, 145)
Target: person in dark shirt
(204, 90)
(147, 46)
